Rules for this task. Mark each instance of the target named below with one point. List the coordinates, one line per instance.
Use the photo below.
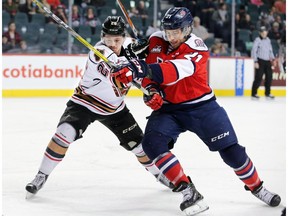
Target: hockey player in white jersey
(98, 97)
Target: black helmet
(113, 25)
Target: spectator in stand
(11, 39)
(281, 22)
(141, 12)
(280, 6)
(54, 4)
(272, 14)
(223, 49)
(207, 8)
(98, 4)
(29, 8)
(23, 48)
(91, 19)
(76, 17)
(199, 30)
(11, 7)
(214, 51)
(220, 19)
(275, 33)
(5, 45)
(243, 19)
(60, 12)
(263, 21)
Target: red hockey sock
(248, 174)
(169, 165)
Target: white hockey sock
(149, 165)
(50, 160)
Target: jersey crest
(156, 49)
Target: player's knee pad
(234, 155)
(155, 144)
(65, 134)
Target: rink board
(58, 75)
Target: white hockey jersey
(97, 90)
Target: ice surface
(99, 178)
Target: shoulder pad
(196, 43)
(157, 34)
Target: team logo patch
(182, 13)
(156, 49)
(199, 43)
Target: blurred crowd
(212, 22)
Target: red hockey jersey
(181, 73)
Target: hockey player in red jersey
(98, 97)
(182, 100)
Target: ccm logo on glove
(137, 64)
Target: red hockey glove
(139, 69)
(155, 99)
(123, 75)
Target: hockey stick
(128, 19)
(83, 41)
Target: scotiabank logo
(42, 72)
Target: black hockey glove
(139, 49)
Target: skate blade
(197, 208)
(29, 195)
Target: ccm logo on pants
(221, 136)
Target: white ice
(99, 178)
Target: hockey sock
(50, 160)
(169, 165)
(248, 174)
(145, 161)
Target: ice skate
(266, 196)
(192, 200)
(33, 187)
(163, 180)
(269, 97)
(255, 97)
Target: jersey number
(192, 56)
(103, 68)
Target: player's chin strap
(82, 40)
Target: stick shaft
(128, 19)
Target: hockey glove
(139, 49)
(155, 98)
(133, 70)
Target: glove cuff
(153, 88)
